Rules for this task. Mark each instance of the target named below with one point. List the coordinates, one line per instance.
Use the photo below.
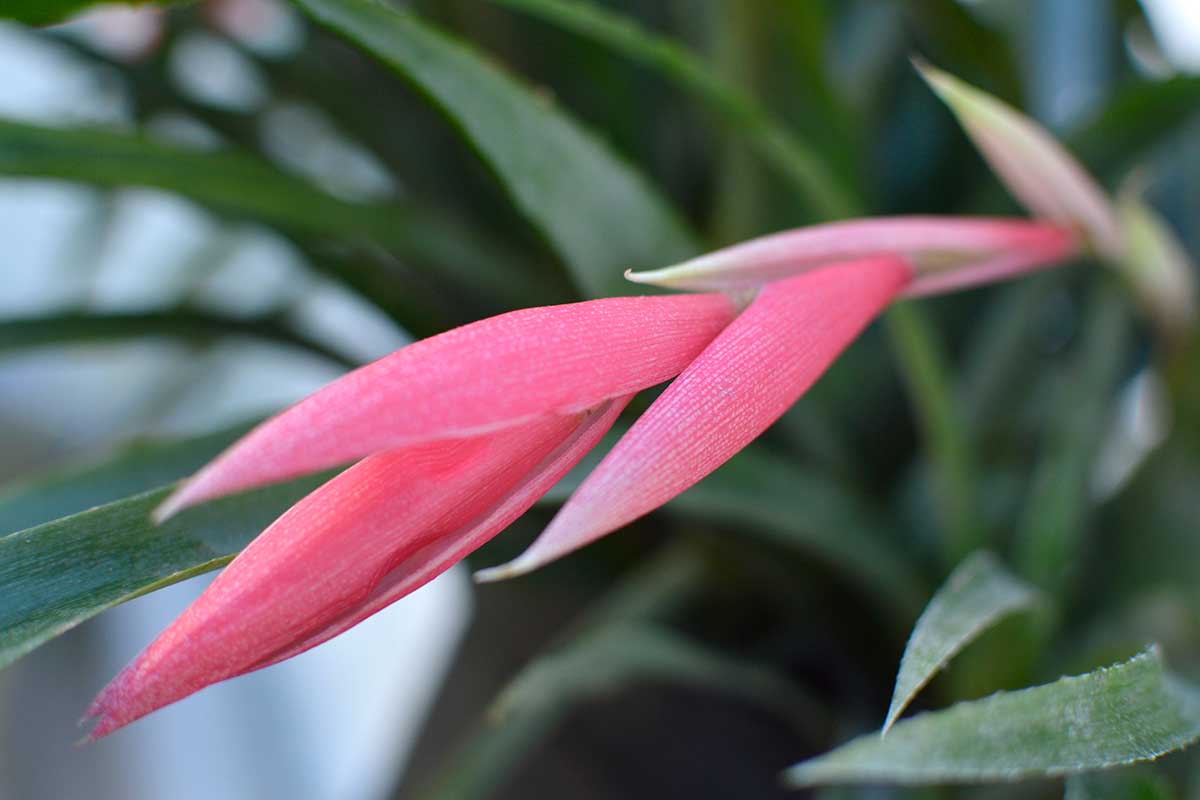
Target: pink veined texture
(474, 379)
(937, 247)
(993, 270)
(369, 536)
(742, 382)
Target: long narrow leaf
(188, 325)
(978, 593)
(135, 468)
(795, 158)
(61, 573)
(597, 212)
(46, 12)
(1055, 516)
(238, 185)
(1130, 712)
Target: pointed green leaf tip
(1039, 172)
(977, 594)
(1156, 266)
(1130, 712)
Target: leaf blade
(598, 213)
(237, 185)
(48, 12)
(61, 573)
(1122, 714)
(795, 158)
(976, 595)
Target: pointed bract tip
(502, 572)
(167, 508)
(1032, 164)
(672, 277)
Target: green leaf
(1061, 497)
(61, 573)
(238, 185)
(795, 159)
(977, 594)
(190, 325)
(1134, 783)
(47, 12)
(616, 655)
(776, 500)
(1130, 712)
(944, 430)
(1139, 116)
(619, 641)
(135, 468)
(599, 214)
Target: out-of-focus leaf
(1061, 492)
(1118, 715)
(190, 325)
(795, 159)
(979, 592)
(948, 30)
(238, 185)
(136, 468)
(618, 642)
(774, 499)
(58, 574)
(999, 352)
(614, 655)
(943, 427)
(46, 12)
(224, 180)
(599, 213)
(1135, 783)
(1137, 117)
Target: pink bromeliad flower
(457, 435)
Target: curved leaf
(794, 158)
(137, 467)
(238, 185)
(979, 592)
(1130, 712)
(24, 332)
(61, 573)
(598, 213)
(47, 12)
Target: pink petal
(362, 540)
(478, 378)
(438, 556)
(1042, 175)
(751, 373)
(936, 247)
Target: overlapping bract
(751, 373)
(459, 434)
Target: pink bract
(944, 252)
(479, 378)
(742, 382)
